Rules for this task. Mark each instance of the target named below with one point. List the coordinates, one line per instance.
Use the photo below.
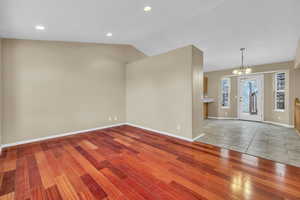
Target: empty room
(150, 100)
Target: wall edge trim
(126, 123)
(279, 124)
(199, 136)
(93, 129)
(160, 132)
(227, 118)
(266, 122)
(58, 135)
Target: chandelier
(243, 69)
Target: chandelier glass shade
(243, 69)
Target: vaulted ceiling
(269, 29)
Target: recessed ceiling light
(40, 27)
(109, 34)
(147, 8)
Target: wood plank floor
(130, 163)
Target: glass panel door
(250, 98)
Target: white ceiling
(269, 29)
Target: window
(225, 92)
(280, 91)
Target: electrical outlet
(109, 118)
(178, 127)
(116, 118)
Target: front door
(250, 97)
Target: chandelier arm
(242, 69)
(242, 66)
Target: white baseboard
(162, 132)
(130, 124)
(199, 136)
(93, 129)
(279, 124)
(226, 118)
(59, 135)
(267, 122)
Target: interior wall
(214, 79)
(297, 60)
(297, 82)
(197, 75)
(0, 94)
(160, 91)
(297, 72)
(213, 91)
(57, 87)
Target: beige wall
(297, 72)
(214, 82)
(297, 60)
(1, 84)
(197, 84)
(286, 117)
(160, 91)
(56, 87)
(297, 83)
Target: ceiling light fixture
(40, 27)
(243, 69)
(109, 34)
(147, 8)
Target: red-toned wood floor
(130, 163)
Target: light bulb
(40, 27)
(248, 70)
(147, 8)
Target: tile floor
(259, 139)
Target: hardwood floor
(130, 163)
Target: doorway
(250, 97)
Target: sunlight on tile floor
(259, 139)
